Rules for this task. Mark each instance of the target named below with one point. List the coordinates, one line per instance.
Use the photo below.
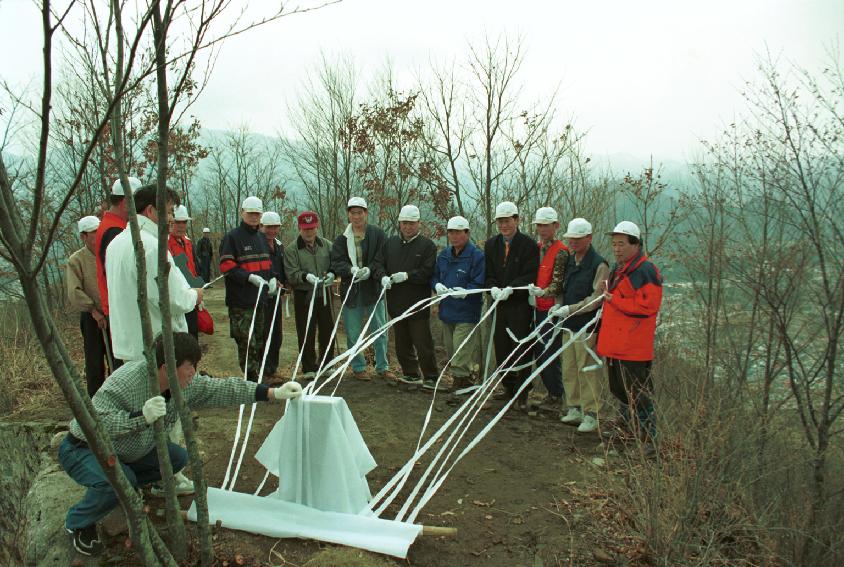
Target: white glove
(386, 282)
(440, 289)
(154, 408)
(288, 391)
(399, 277)
(561, 311)
(462, 293)
(272, 287)
(535, 291)
(506, 293)
(363, 274)
(329, 279)
(257, 280)
(355, 271)
(495, 293)
(311, 279)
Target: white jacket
(122, 280)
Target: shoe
(502, 395)
(551, 403)
(387, 375)
(415, 380)
(86, 540)
(362, 375)
(588, 425)
(573, 417)
(184, 486)
(461, 382)
(308, 376)
(429, 384)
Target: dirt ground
(523, 496)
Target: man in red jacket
(632, 298)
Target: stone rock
(51, 494)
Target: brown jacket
(83, 294)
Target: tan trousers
(583, 389)
(453, 337)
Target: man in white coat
(122, 280)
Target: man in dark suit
(512, 260)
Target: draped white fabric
(319, 455)
(277, 518)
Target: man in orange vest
(632, 298)
(112, 224)
(553, 256)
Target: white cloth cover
(277, 518)
(319, 455)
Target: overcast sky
(643, 76)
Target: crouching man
(127, 409)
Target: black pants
(95, 352)
(205, 268)
(273, 338)
(631, 384)
(515, 316)
(322, 322)
(192, 320)
(415, 347)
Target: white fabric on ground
(319, 455)
(277, 518)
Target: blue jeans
(552, 375)
(100, 499)
(354, 319)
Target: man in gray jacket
(127, 410)
(359, 253)
(307, 262)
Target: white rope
(218, 278)
(477, 400)
(432, 489)
(254, 405)
(362, 335)
(487, 387)
(311, 387)
(240, 410)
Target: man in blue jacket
(459, 267)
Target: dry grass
(28, 388)
(722, 491)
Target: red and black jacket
(244, 252)
(628, 323)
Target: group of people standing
(530, 281)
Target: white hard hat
(506, 209)
(457, 223)
(117, 186)
(627, 227)
(578, 228)
(545, 215)
(409, 213)
(270, 218)
(357, 202)
(180, 213)
(206, 230)
(252, 205)
(88, 224)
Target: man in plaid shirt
(127, 410)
